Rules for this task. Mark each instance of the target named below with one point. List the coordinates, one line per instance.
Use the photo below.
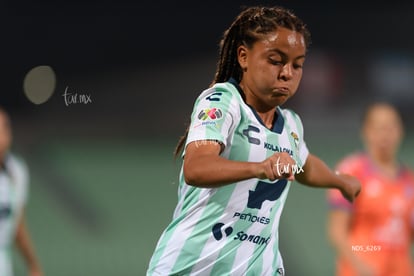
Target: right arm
(204, 167)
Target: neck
(387, 163)
(265, 112)
(267, 118)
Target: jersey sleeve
(214, 114)
(298, 138)
(303, 149)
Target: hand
(351, 187)
(279, 165)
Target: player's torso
(249, 140)
(253, 142)
(232, 226)
(384, 209)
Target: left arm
(25, 247)
(317, 174)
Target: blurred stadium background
(103, 179)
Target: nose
(286, 73)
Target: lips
(281, 92)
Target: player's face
(272, 67)
(5, 134)
(383, 131)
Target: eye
(275, 61)
(297, 66)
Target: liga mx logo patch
(210, 113)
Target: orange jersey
(382, 217)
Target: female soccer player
(374, 235)
(241, 152)
(13, 193)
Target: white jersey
(13, 194)
(231, 230)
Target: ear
(242, 57)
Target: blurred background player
(13, 195)
(373, 236)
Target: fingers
(351, 188)
(284, 166)
(280, 165)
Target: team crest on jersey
(295, 138)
